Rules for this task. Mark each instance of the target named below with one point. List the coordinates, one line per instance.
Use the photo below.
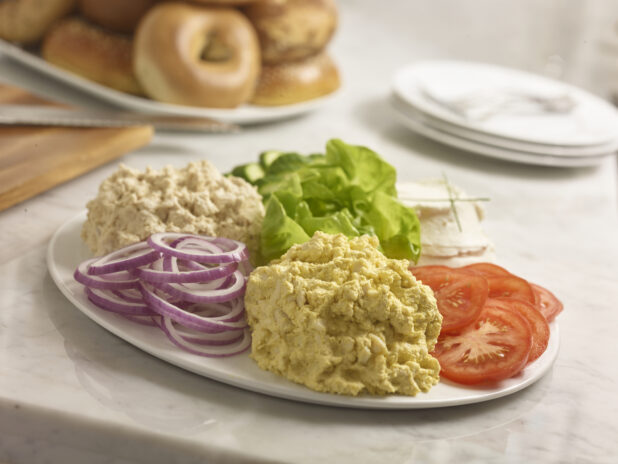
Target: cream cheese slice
(446, 238)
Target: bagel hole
(215, 49)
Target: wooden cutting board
(35, 159)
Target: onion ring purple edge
(99, 282)
(128, 298)
(155, 276)
(213, 296)
(170, 263)
(204, 338)
(132, 309)
(214, 351)
(236, 312)
(164, 308)
(157, 241)
(142, 254)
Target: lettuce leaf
(363, 167)
(279, 231)
(349, 190)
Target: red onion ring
(129, 257)
(116, 281)
(216, 291)
(234, 313)
(186, 318)
(213, 351)
(131, 295)
(204, 338)
(201, 248)
(155, 276)
(110, 302)
(189, 242)
(171, 264)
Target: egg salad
(337, 316)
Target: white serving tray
(66, 251)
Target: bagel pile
(206, 53)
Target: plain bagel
(296, 81)
(26, 21)
(92, 52)
(292, 29)
(197, 56)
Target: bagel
(93, 53)
(296, 81)
(26, 21)
(117, 15)
(197, 56)
(292, 29)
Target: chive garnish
(451, 200)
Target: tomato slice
(493, 348)
(460, 295)
(538, 325)
(546, 302)
(486, 269)
(424, 273)
(510, 287)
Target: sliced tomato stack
(494, 322)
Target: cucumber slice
(251, 172)
(268, 157)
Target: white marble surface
(71, 392)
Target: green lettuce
(349, 190)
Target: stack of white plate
(505, 113)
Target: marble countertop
(72, 392)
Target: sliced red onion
(194, 276)
(213, 351)
(198, 248)
(230, 311)
(191, 287)
(129, 257)
(191, 242)
(223, 282)
(114, 281)
(186, 318)
(109, 301)
(173, 264)
(131, 295)
(216, 291)
(204, 338)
